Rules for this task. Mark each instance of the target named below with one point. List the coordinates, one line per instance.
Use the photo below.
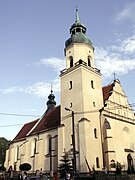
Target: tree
(118, 168)
(65, 165)
(131, 170)
(25, 167)
(3, 147)
(2, 168)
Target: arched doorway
(129, 160)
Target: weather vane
(114, 75)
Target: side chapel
(95, 125)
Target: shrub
(132, 170)
(65, 165)
(118, 168)
(2, 168)
(129, 170)
(25, 167)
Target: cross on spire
(77, 16)
(114, 75)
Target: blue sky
(32, 37)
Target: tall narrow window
(89, 64)
(71, 61)
(33, 147)
(18, 152)
(95, 133)
(97, 162)
(70, 85)
(92, 84)
(49, 145)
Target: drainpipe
(100, 119)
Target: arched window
(49, 145)
(78, 30)
(33, 147)
(18, 153)
(89, 63)
(129, 160)
(95, 133)
(97, 162)
(71, 61)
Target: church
(93, 125)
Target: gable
(116, 101)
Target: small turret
(51, 103)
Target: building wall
(85, 98)
(119, 139)
(35, 151)
(79, 51)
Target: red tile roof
(107, 91)
(24, 131)
(50, 120)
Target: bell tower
(81, 93)
(78, 46)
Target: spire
(78, 33)
(77, 16)
(51, 102)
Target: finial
(114, 75)
(51, 89)
(77, 15)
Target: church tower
(81, 95)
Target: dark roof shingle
(49, 121)
(107, 90)
(25, 130)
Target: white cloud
(128, 12)
(109, 62)
(40, 89)
(54, 62)
(128, 45)
(12, 90)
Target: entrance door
(129, 160)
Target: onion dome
(77, 32)
(51, 103)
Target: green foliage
(3, 147)
(25, 167)
(131, 170)
(2, 168)
(65, 165)
(118, 168)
